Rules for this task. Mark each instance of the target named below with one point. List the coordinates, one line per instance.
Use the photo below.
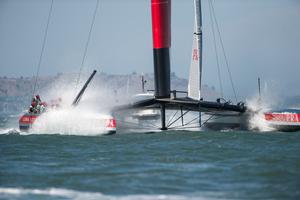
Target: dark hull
(286, 128)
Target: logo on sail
(195, 55)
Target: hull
(284, 120)
(110, 126)
(27, 121)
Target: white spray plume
(88, 118)
(258, 106)
(257, 119)
(71, 121)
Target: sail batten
(194, 86)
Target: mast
(259, 92)
(143, 83)
(161, 30)
(258, 80)
(195, 77)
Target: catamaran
(164, 98)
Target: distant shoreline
(22, 86)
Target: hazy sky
(261, 38)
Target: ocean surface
(163, 165)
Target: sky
(261, 39)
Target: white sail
(194, 86)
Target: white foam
(73, 194)
(66, 121)
(87, 119)
(71, 121)
(8, 131)
(55, 192)
(257, 109)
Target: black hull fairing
(185, 104)
(202, 106)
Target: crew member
(37, 106)
(38, 99)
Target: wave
(73, 194)
(9, 131)
(16, 131)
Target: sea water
(161, 165)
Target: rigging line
(216, 50)
(188, 124)
(223, 50)
(191, 122)
(43, 48)
(207, 120)
(170, 119)
(178, 118)
(87, 44)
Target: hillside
(15, 93)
